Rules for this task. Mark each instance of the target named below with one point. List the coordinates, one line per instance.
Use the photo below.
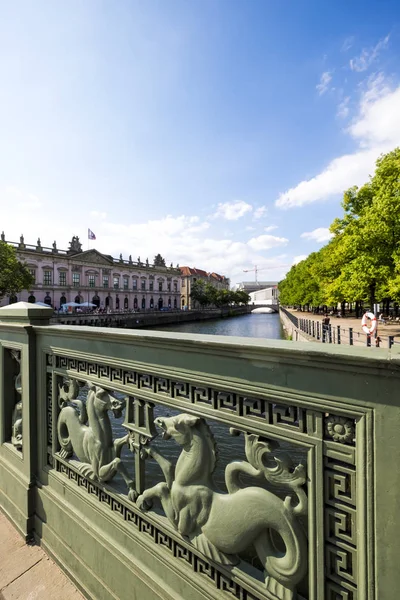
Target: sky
(219, 133)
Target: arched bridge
(262, 304)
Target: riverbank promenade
(351, 323)
(27, 573)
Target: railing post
(330, 333)
(323, 327)
(313, 329)
(18, 411)
(351, 336)
(368, 340)
(318, 331)
(338, 334)
(391, 340)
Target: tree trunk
(372, 289)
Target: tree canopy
(207, 294)
(14, 276)
(362, 260)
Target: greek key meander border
(338, 580)
(216, 574)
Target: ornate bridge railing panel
(224, 467)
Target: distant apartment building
(75, 275)
(190, 275)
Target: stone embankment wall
(142, 319)
(293, 333)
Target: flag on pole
(91, 235)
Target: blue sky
(220, 133)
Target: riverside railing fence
(172, 466)
(336, 334)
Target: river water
(267, 326)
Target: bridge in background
(260, 304)
(129, 525)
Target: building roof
(187, 271)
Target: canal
(266, 326)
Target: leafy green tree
(198, 292)
(159, 261)
(362, 261)
(14, 276)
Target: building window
(183, 283)
(78, 299)
(47, 278)
(126, 283)
(169, 286)
(33, 273)
(160, 286)
(117, 303)
(151, 286)
(143, 284)
(63, 278)
(135, 304)
(31, 299)
(91, 280)
(143, 303)
(76, 279)
(175, 303)
(63, 300)
(47, 300)
(105, 281)
(169, 302)
(126, 303)
(151, 303)
(134, 284)
(175, 286)
(116, 283)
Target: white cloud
(232, 211)
(266, 242)
(368, 56)
(98, 215)
(21, 199)
(348, 43)
(325, 80)
(259, 212)
(321, 234)
(299, 258)
(343, 108)
(250, 228)
(270, 228)
(375, 130)
(183, 239)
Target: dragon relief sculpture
(84, 429)
(222, 525)
(16, 435)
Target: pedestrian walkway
(27, 573)
(345, 323)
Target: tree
(14, 276)
(362, 261)
(198, 292)
(159, 261)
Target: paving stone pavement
(27, 573)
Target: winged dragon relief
(222, 525)
(84, 429)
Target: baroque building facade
(75, 275)
(190, 275)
